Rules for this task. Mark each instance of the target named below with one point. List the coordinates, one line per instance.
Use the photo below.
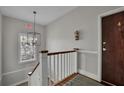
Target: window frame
(19, 51)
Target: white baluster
(64, 65)
(61, 68)
(57, 67)
(71, 62)
(49, 60)
(69, 65)
(54, 67)
(59, 60)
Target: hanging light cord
(34, 19)
(34, 12)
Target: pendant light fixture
(33, 38)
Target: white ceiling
(45, 14)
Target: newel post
(43, 67)
(76, 59)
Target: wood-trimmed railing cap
(30, 73)
(44, 51)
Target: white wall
(0, 49)
(60, 36)
(13, 72)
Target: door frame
(100, 38)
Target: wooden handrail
(30, 73)
(44, 51)
(62, 52)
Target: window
(27, 51)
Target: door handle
(104, 43)
(104, 49)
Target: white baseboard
(90, 75)
(18, 83)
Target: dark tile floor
(79, 80)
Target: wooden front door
(113, 49)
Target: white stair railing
(61, 65)
(53, 68)
(39, 75)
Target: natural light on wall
(27, 51)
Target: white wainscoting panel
(90, 75)
(15, 77)
(88, 63)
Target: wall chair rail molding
(7, 73)
(88, 51)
